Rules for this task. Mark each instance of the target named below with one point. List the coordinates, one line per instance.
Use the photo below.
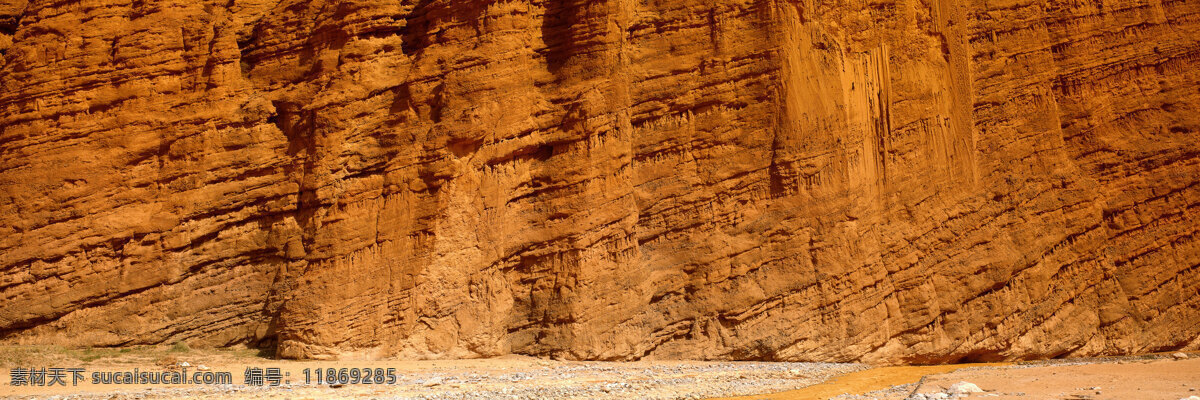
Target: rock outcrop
(883, 180)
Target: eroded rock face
(894, 181)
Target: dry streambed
(512, 377)
(515, 377)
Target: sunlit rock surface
(888, 181)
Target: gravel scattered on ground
(543, 380)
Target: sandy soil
(517, 377)
(1147, 377)
(866, 381)
(1141, 379)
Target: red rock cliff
(883, 180)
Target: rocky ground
(1164, 376)
(510, 377)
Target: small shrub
(180, 347)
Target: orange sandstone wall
(883, 180)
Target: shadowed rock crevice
(415, 30)
(562, 25)
(9, 24)
(10, 20)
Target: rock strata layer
(885, 180)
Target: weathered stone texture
(884, 180)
